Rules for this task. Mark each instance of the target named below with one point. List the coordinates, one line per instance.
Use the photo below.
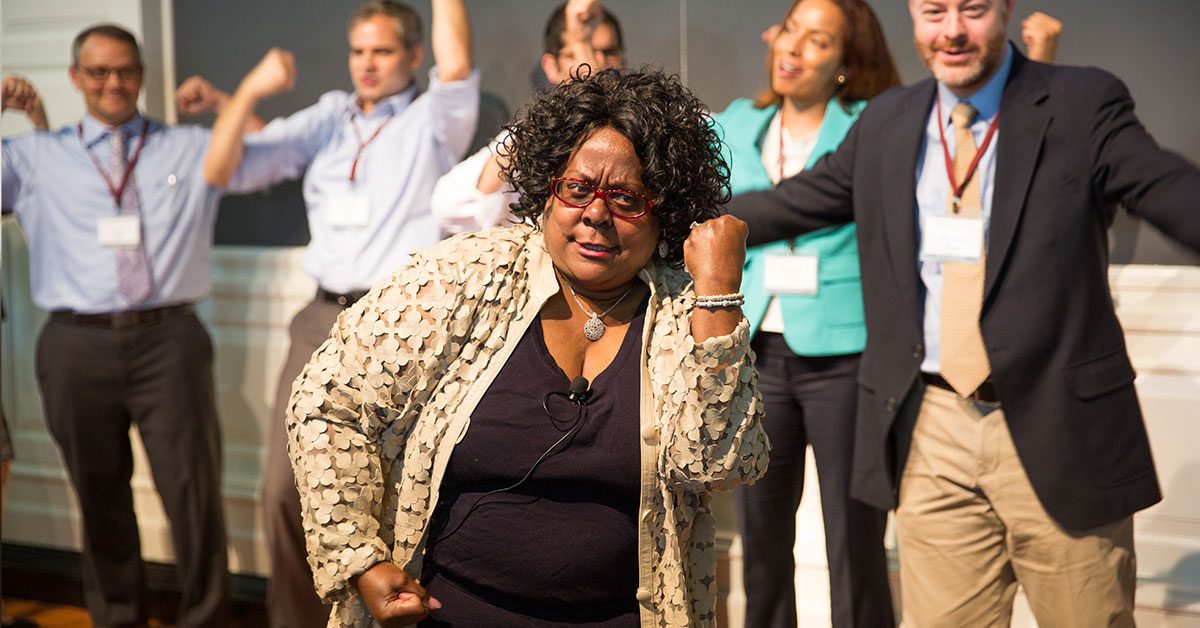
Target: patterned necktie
(964, 360)
(133, 269)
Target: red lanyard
(791, 245)
(956, 187)
(781, 127)
(117, 191)
(363, 145)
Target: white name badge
(791, 274)
(119, 231)
(952, 239)
(349, 210)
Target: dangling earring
(663, 249)
(841, 79)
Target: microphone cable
(578, 393)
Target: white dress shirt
(459, 205)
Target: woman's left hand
(714, 254)
(394, 598)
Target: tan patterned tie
(964, 360)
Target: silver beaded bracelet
(714, 305)
(715, 301)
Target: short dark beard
(993, 55)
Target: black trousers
(95, 383)
(810, 400)
(292, 601)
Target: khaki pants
(971, 529)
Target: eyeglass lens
(580, 193)
(101, 74)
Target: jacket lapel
(903, 138)
(1023, 122)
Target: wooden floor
(55, 615)
(43, 585)
(48, 615)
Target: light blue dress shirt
(58, 195)
(933, 188)
(422, 137)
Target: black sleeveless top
(561, 547)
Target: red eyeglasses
(620, 203)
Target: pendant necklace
(594, 327)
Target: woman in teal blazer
(804, 301)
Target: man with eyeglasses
(471, 196)
(119, 221)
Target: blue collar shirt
(933, 187)
(56, 190)
(421, 136)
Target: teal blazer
(831, 321)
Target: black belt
(118, 320)
(344, 299)
(986, 393)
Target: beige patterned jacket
(376, 413)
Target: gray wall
(714, 44)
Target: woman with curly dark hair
(523, 426)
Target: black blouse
(561, 547)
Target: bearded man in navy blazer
(1031, 473)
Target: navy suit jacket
(1069, 150)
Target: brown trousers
(970, 529)
(292, 601)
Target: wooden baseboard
(53, 575)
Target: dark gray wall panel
(715, 44)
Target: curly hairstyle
(670, 129)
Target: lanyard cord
(782, 106)
(115, 190)
(956, 187)
(363, 145)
